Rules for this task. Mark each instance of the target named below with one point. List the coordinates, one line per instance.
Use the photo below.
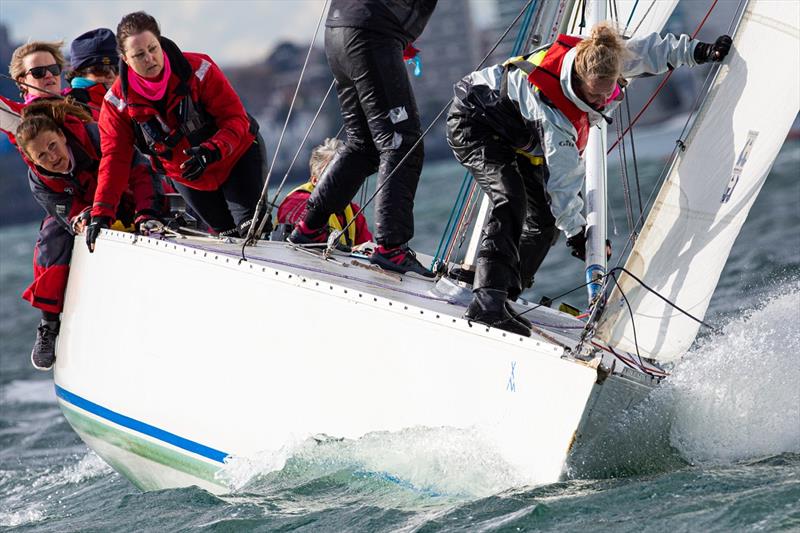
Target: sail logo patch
(737, 168)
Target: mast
(596, 228)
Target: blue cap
(95, 47)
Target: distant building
(449, 51)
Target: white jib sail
(703, 203)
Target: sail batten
(711, 186)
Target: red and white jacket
(200, 105)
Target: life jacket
(543, 68)
(154, 136)
(349, 238)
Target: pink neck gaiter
(151, 88)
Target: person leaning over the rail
(521, 127)
(61, 146)
(179, 109)
(364, 44)
(293, 207)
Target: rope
(260, 205)
(335, 235)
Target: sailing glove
(93, 230)
(199, 158)
(578, 245)
(716, 52)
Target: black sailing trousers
(520, 229)
(382, 124)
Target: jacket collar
(567, 74)
(180, 68)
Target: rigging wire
(463, 203)
(300, 146)
(265, 190)
(663, 82)
(679, 143)
(334, 237)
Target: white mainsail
(705, 199)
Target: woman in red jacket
(61, 146)
(178, 108)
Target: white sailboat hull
(173, 359)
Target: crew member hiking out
(520, 128)
(61, 146)
(178, 108)
(364, 44)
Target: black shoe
(518, 317)
(299, 236)
(401, 259)
(43, 354)
(489, 307)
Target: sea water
(716, 448)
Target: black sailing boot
(518, 317)
(488, 307)
(43, 354)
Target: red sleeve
(9, 117)
(362, 230)
(222, 103)
(293, 207)
(116, 145)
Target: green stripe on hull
(85, 425)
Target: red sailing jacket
(65, 196)
(547, 77)
(92, 95)
(125, 114)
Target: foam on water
(428, 461)
(29, 391)
(738, 396)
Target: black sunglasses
(40, 72)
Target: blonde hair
(601, 55)
(322, 155)
(17, 70)
(46, 115)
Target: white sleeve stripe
(202, 70)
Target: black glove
(199, 158)
(93, 230)
(705, 52)
(578, 244)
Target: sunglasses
(40, 72)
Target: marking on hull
(141, 427)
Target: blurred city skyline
(233, 32)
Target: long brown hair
(601, 55)
(46, 115)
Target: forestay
(711, 186)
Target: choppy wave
(738, 396)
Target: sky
(232, 32)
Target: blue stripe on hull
(141, 427)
